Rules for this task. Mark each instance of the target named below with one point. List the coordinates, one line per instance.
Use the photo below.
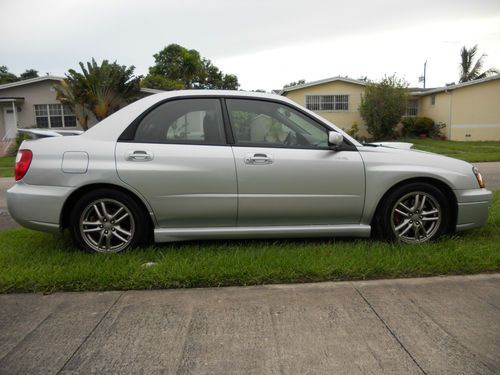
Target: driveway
(6, 221)
(447, 325)
(490, 171)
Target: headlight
(479, 178)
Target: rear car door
(287, 173)
(179, 161)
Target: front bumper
(36, 206)
(473, 207)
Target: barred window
(412, 108)
(327, 102)
(54, 116)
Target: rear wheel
(415, 213)
(108, 221)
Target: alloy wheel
(416, 217)
(107, 225)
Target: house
(470, 110)
(33, 103)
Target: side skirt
(185, 234)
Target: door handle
(139, 155)
(259, 159)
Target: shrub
(418, 126)
(14, 147)
(382, 105)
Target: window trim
(407, 111)
(128, 134)
(328, 110)
(347, 145)
(47, 107)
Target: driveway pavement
(491, 173)
(446, 325)
(6, 221)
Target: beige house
(471, 110)
(33, 103)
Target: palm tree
(69, 92)
(470, 70)
(100, 89)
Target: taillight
(23, 161)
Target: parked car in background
(226, 164)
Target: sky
(266, 43)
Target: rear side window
(194, 121)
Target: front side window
(261, 123)
(196, 121)
(54, 116)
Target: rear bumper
(36, 206)
(473, 207)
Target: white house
(33, 103)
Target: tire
(414, 213)
(108, 221)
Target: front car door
(179, 161)
(287, 173)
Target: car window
(262, 123)
(197, 121)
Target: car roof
(113, 126)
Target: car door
(179, 161)
(287, 173)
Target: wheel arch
(445, 188)
(78, 193)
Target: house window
(433, 99)
(54, 116)
(327, 103)
(412, 108)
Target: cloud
(267, 43)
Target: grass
(473, 151)
(7, 166)
(37, 262)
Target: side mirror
(335, 139)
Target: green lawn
(37, 262)
(7, 166)
(468, 151)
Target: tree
(176, 68)
(70, 91)
(295, 83)
(383, 104)
(100, 89)
(29, 73)
(6, 76)
(470, 70)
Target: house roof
(424, 92)
(321, 81)
(57, 78)
(29, 81)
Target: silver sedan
(225, 164)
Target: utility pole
(425, 70)
(422, 78)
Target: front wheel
(108, 221)
(415, 213)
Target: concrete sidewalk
(447, 325)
